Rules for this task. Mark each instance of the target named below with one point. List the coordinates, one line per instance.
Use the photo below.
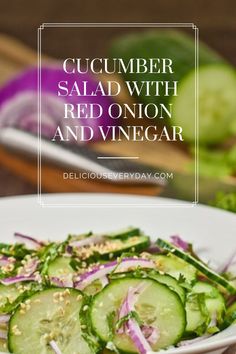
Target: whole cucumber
(217, 89)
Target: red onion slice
(4, 260)
(4, 318)
(55, 347)
(30, 267)
(18, 278)
(87, 241)
(138, 338)
(179, 242)
(132, 327)
(29, 239)
(3, 334)
(225, 267)
(18, 101)
(101, 271)
(62, 282)
(152, 334)
(104, 281)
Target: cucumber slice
(9, 293)
(166, 279)
(197, 314)
(113, 248)
(157, 305)
(215, 302)
(230, 317)
(175, 266)
(60, 267)
(217, 106)
(203, 304)
(209, 273)
(171, 282)
(51, 314)
(231, 309)
(93, 288)
(124, 233)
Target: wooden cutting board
(15, 57)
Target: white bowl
(209, 229)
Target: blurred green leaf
(215, 162)
(226, 201)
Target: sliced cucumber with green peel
(157, 305)
(113, 248)
(197, 314)
(124, 233)
(215, 302)
(9, 293)
(94, 287)
(230, 317)
(131, 244)
(53, 314)
(217, 104)
(231, 309)
(175, 266)
(209, 273)
(170, 281)
(60, 267)
(166, 279)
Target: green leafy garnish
(131, 314)
(226, 201)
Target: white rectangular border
(196, 118)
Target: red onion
(17, 279)
(153, 249)
(29, 239)
(104, 269)
(179, 242)
(104, 281)
(19, 105)
(62, 282)
(152, 334)
(132, 327)
(4, 260)
(30, 267)
(3, 334)
(4, 318)
(231, 261)
(54, 347)
(87, 241)
(138, 338)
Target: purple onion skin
(29, 238)
(179, 242)
(50, 76)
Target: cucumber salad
(110, 293)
